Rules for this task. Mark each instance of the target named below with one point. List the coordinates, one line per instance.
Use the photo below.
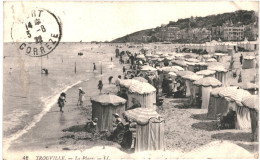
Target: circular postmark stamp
(38, 33)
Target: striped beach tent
(206, 73)
(252, 103)
(234, 98)
(149, 129)
(144, 93)
(207, 84)
(191, 90)
(103, 106)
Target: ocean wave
(48, 103)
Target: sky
(105, 21)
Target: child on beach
(62, 100)
(100, 85)
(81, 97)
(94, 67)
(110, 79)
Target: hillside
(241, 17)
(134, 37)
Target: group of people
(121, 133)
(62, 99)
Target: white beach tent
(206, 73)
(207, 84)
(191, 89)
(221, 73)
(249, 62)
(103, 106)
(149, 129)
(234, 98)
(126, 83)
(143, 92)
(217, 103)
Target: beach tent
(144, 93)
(149, 129)
(251, 102)
(211, 60)
(180, 63)
(103, 106)
(206, 73)
(207, 84)
(191, 89)
(221, 73)
(234, 98)
(249, 62)
(148, 69)
(215, 103)
(125, 84)
(250, 87)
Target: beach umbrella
(219, 54)
(226, 91)
(172, 74)
(140, 56)
(180, 63)
(155, 56)
(141, 88)
(169, 58)
(217, 68)
(237, 95)
(183, 73)
(211, 60)
(141, 115)
(148, 55)
(148, 68)
(127, 82)
(192, 77)
(215, 64)
(169, 69)
(178, 68)
(141, 79)
(206, 73)
(208, 81)
(192, 60)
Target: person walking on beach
(100, 85)
(241, 59)
(110, 79)
(94, 67)
(81, 97)
(111, 59)
(62, 100)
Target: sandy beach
(185, 128)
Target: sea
(28, 94)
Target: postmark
(38, 33)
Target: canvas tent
(149, 129)
(249, 62)
(103, 107)
(191, 89)
(144, 93)
(207, 84)
(234, 98)
(206, 73)
(221, 73)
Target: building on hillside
(217, 32)
(233, 33)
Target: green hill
(241, 17)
